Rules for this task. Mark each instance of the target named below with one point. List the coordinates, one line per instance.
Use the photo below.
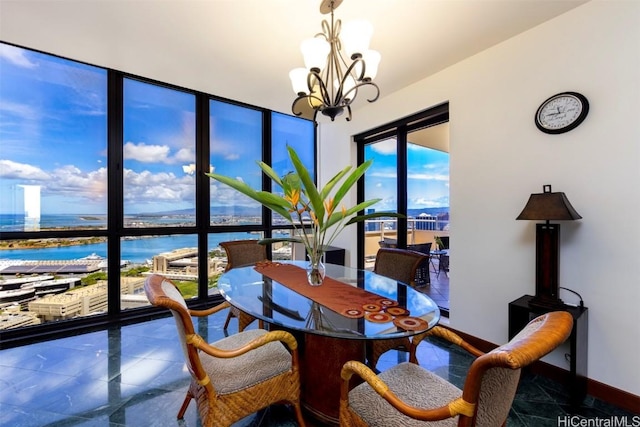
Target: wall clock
(562, 112)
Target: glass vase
(315, 268)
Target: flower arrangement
(313, 212)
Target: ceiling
(244, 49)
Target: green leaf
(317, 203)
(351, 180)
(361, 218)
(324, 193)
(270, 200)
(337, 216)
(270, 172)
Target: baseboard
(620, 398)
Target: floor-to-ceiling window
(102, 182)
(410, 174)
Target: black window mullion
(401, 183)
(203, 193)
(115, 198)
(267, 215)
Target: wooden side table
(520, 313)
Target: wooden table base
(321, 362)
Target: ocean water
(134, 250)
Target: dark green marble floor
(135, 376)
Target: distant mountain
(256, 210)
(215, 211)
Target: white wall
(498, 157)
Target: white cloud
(146, 153)
(189, 169)
(149, 153)
(184, 155)
(16, 56)
(429, 176)
(386, 147)
(147, 187)
(14, 170)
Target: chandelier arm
(359, 85)
(348, 118)
(341, 98)
(300, 98)
(313, 77)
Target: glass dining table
(332, 322)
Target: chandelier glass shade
(338, 63)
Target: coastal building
(12, 317)
(182, 264)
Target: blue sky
(427, 176)
(53, 134)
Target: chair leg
(244, 320)
(184, 406)
(299, 417)
(226, 322)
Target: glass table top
(276, 304)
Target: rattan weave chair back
(164, 293)
(399, 264)
(493, 378)
(241, 253)
(235, 376)
(409, 395)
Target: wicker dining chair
(235, 376)
(409, 395)
(241, 253)
(401, 265)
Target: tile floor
(134, 376)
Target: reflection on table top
(275, 303)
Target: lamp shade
(315, 52)
(372, 60)
(356, 36)
(298, 78)
(548, 206)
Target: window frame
(116, 230)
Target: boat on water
(93, 257)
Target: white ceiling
(244, 49)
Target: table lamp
(548, 206)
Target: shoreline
(49, 243)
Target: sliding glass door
(410, 174)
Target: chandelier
(329, 83)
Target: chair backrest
(398, 264)
(243, 252)
(424, 248)
(162, 292)
(493, 377)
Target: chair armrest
(448, 335)
(452, 409)
(210, 311)
(282, 336)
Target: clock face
(562, 112)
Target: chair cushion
(238, 373)
(413, 385)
